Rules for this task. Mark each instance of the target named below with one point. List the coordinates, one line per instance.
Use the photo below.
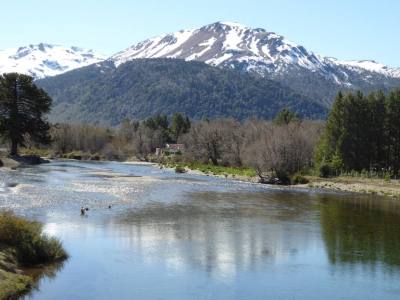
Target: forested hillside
(104, 94)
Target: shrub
(27, 238)
(298, 178)
(387, 176)
(325, 171)
(180, 169)
(283, 176)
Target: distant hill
(105, 94)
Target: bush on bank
(23, 244)
(32, 246)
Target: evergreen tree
(329, 147)
(22, 109)
(362, 133)
(393, 130)
(179, 126)
(160, 124)
(377, 134)
(157, 122)
(355, 132)
(285, 116)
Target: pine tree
(22, 109)
(330, 144)
(377, 135)
(393, 130)
(362, 133)
(285, 116)
(356, 142)
(180, 125)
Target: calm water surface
(170, 236)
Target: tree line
(362, 134)
(278, 148)
(138, 139)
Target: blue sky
(352, 29)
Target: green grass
(299, 178)
(42, 152)
(215, 170)
(48, 152)
(180, 169)
(81, 155)
(13, 285)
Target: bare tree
(282, 150)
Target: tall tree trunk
(14, 148)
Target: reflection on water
(217, 233)
(45, 273)
(362, 231)
(171, 236)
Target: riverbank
(19, 161)
(12, 282)
(241, 174)
(23, 244)
(157, 217)
(380, 187)
(344, 183)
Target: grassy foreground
(23, 244)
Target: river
(182, 236)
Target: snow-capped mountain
(222, 44)
(229, 44)
(232, 45)
(226, 45)
(45, 60)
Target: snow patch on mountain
(370, 65)
(45, 60)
